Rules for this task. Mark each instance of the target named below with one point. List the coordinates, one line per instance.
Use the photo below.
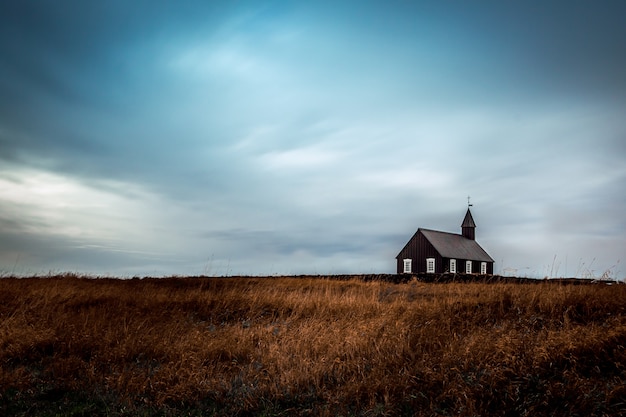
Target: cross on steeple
(468, 202)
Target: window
(453, 266)
(483, 268)
(430, 265)
(468, 267)
(407, 266)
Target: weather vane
(468, 202)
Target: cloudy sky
(249, 137)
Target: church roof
(454, 246)
(468, 221)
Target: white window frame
(453, 266)
(468, 267)
(430, 265)
(407, 266)
(483, 268)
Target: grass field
(294, 346)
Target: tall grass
(310, 347)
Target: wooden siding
(469, 232)
(418, 249)
(460, 266)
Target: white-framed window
(468, 267)
(453, 266)
(407, 266)
(483, 268)
(430, 265)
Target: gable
(418, 246)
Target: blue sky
(154, 138)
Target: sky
(153, 138)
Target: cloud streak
(303, 138)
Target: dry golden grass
(270, 346)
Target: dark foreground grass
(286, 346)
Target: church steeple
(468, 226)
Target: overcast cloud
(154, 138)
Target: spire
(468, 225)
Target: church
(432, 251)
